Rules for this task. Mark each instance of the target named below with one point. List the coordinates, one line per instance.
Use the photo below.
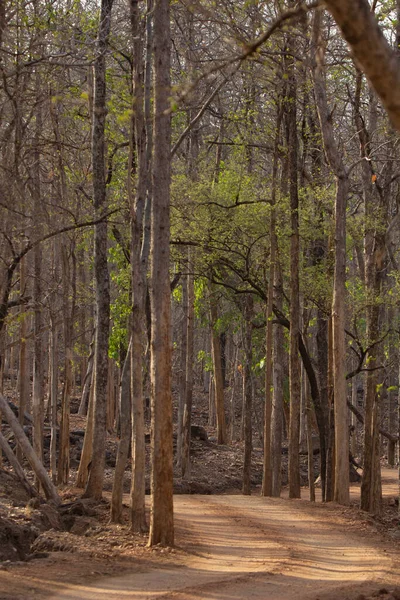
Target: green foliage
(206, 359)
(120, 308)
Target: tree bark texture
(341, 490)
(86, 456)
(374, 259)
(277, 398)
(187, 409)
(182, 378)
(24, 377)
(218, 376)
(139, 263)
(161, 510)
(371, 49)
(294, 359)
(247, 392)
(94, 486)
(266, 489)
(124, 441)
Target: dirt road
(243, 548)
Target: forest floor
(228, 546)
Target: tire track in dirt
(242, 547)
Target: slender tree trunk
(268, 452)
(183, 355)
(24, 377)
(234, 379)
(247, 392)
(38, 354)
(139, 264)
(375, 253)
(187, 412)
(124, 441)
(277, 399)
(161, 513)
(87, 382)
(218, 377)
(294, 359)
(212, 418)
(53, 395)
(341, 490)
(64, 447)
(94, 486)
(330, 450)
(86, 456)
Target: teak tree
(161, 510)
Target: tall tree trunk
(294, 359)
(94, 486)
(187, 411)
(125, 439)
(218, 376)
(87, 381)
(268, 452)
(183, 355)
(277, 399)
(139, 264)
(38, 355)
(24, 377)
(161, 513)
(63, 461)
(53, 394)
(374, 254)
(247, 392)
(322, 361)
(86, 456)
(341, 490)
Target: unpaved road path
(245, 548)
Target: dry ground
(228, 547)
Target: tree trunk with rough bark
(277, 398)
(24, 376)
(64, 446)
(218, 376)
(124, 440)
(187, 410)
(374, 259)
(294, 359)
(182, 377)
(266, 489)
(247, 392)
(86, 456)
(87, 382)
(161, 511)
(139, 265)
(38, 354)
(341, 490)
(94, 486)
(370, 47)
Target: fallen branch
(360, 419)
(49, 488)
(12, 459)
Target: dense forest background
(227, 162)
